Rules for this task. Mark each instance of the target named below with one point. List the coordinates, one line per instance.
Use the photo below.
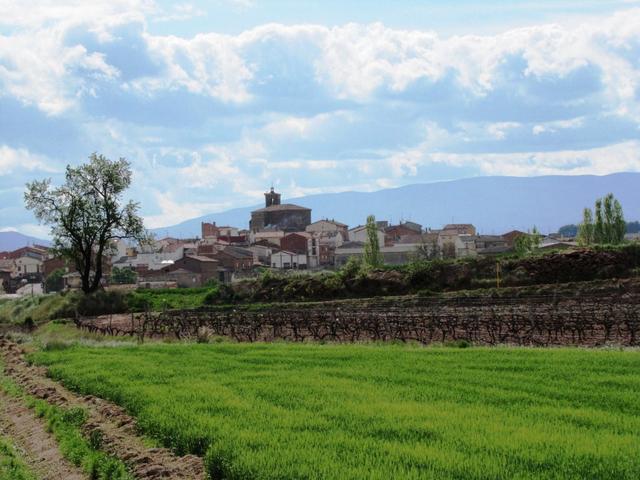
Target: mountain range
(493, 204)
(13, 240)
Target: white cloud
(180, 12)
(353, 61)
(208, 64)
(552, 127)
(30, 229)
(12, 160)
(499, 130)
(209, 173)
(173, 211)
(304, 127)
(621, 157)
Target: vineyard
(588, 320)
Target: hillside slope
(493, 204)
(13, 240)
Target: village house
(326, 253)
(52, 264)
(328, 227)
(262, 253)
(297, 242)
(189, 271)
(29, 262)
(235, 259)
(399, 254)
(510, 237)
(212, 232)
(460, 228)
(8, 265)
(150, 261)
(289, 260)
(396, 233)
(359, 234)
(272, 237)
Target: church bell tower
(271, 198)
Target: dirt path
(117, 428)
(29, 434)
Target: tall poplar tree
(372, 255)
(586, 228)
(606, 225)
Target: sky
(214, 101)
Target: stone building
(276, 216)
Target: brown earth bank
(38, 447)
(597, 314)
(580, 265)
(111, 423)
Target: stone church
(276, 216)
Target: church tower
(271, 198)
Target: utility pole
(498, 273)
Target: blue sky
(214, 101)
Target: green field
(285, 411)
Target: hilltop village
(281, 236)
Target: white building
(398, 254)
(359, 234)
(152, 261)
(28, 263)
(289, 260)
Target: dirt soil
(118, 429)
(38, 447)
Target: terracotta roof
(282, 207)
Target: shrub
(55, 282)
(102, 303)
(28, 323)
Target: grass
(159, 299)
(39, 309)
(12, 467)
(291, 411)
(62, 333)
(66, 426)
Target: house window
(287, 265)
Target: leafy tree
(586, 231)
(529, 243)
(598, 228)
(372, 257)
(87, 214)
(351, 269)
(608, 227)
(123, 276)
(54, 282)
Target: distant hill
(493, 204)
(13, 240)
